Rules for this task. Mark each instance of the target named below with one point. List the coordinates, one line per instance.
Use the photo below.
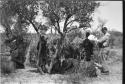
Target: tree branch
(58, 26)
(71, 22)
(72, 29)
(34, 27)
(5, 23)
(67, 18)
(31, 23)
(57, 21)
(58, 31)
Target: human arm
(104, 40)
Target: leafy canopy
(24, 10)
(58, 10)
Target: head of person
(42, 37)
(89, 30)
(104, 30)
(87, 34)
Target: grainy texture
(31, 76)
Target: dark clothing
(42, 54)
(100, 44)
(18, 52)
(42, 42)
(88, 46)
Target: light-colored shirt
(92, 37)
(105, 39)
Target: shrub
(7, 66)
(77, 41)
(73, 34)
(33, 56)
(115, 56)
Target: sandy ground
(28, 76)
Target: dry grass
(78, 75)
(83, 74)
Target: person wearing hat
(104, 41)
(103, 44)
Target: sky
(111, 11)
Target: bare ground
(29, 76)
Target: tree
(16, 16)
(24, 9)
(58, 10)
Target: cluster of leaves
(57, 10)
(15, 16)
(25, 11)
(68, 11)
(22, 10)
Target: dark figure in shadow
(42, 53)
(88, 47)
(18, 48)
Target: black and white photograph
(61, 42)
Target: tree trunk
(27, 61)
(39, 59)
(57, 53)
(55, 31)
(51, 30)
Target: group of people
(87, 44)
(103, 45)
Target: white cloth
(92, 37)
(105, 39)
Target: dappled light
(64, 48)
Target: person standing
(103, 44)
(88, 47)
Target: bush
(7, 66)
(116, 39)
(77, 41)
(33, 56)
(115, 56)
(80, 72)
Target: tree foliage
(22, 13)
(80, 10)
(68, 11)
(24, 10)
(15, 17)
